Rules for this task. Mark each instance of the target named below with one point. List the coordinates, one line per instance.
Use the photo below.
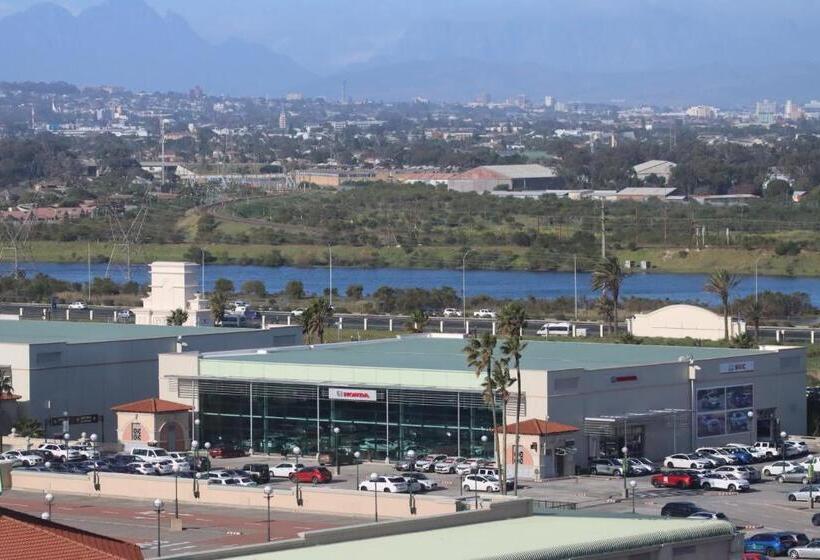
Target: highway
(395, 323)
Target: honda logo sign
(341, 394)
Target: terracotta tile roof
(24, 537)
(152, 405)
(536, 427)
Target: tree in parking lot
(501, 382)
(511, 323)
(479, 353)
(218, 304)
(721, 283)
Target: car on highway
(424, 481)
(283, 470)
(392, 484)
(802, 495)
(772, 544)
(707, 515)
(313, 475)
(124, 314)
(675, 479)
(484, 314)
(808, 550)
(723, 481)
(687, 461)
(780, 467)
(611, 467)
(451, 312)
(480, 483)
(77, 305)
(21, 457)
(298, 312)
(800, 474)
(554, 329)
(680, 509)
(749, 473)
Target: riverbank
(673, 260)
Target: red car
(224, 451)
(675, 479)
(754, 556)
(314, 475)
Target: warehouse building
(579, 400)
(85, 369)
(489, 178)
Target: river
(498, 284)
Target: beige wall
(169, 430)
(682, 321)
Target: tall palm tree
(177, 318)
(417, 321)
(480, 357)
(511, 322)
(754, 313)
(314, 319)
(607, 278)
(721, 283)
(501, 384)
(28, 428)
(218, 304)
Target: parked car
(687, 461)
(484, 314)
(60, 452)
(413, 485)
(754, 556)
(802, 495)
(220, 474)
(742, 456)
(749, 473)
(314, 475)
(392, 484)
(675, 479)
(142, 467)
(780, 467)
(150, 454)
(808, 550)
(451, 312)
(245, 481)
(495, 473)
(716, 459)
(223, 481)
(480, 483)
(86, 451)
(772, 544)
(723, 481)
(283, 470)
(424, 481)
(767, 448)
(707, 515)
(794, 448)
(77, 305)
(612, 467)
(428, 462)
(226, 450)
(22, 458)
(800, 474)
(260, 472)
(680, 509)
(757, 453)
(636, 468)
(654, 467)
(448, 465)
(405, 465)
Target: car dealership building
(579, 400)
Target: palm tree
(721, 283)
(218, 303)
(511, 323)
(501, 384)
(480, 357)
(314, 319)
(607, 277)
(754, 313)
(177, 318)
(28, 428)
(417, 321)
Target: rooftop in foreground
(44, 332)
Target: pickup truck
(484, 314)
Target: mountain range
(724, 52)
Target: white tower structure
(174, 285)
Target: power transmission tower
(126, 237)
(15, 246)
(603, 230)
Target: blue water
(500, 284)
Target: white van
(150, 454)
(555, 329)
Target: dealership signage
(342, 394)
(737, 367)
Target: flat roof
(569, 536)
(438, 354)
(45, 332)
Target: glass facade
(276, 417)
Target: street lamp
(484, 445)
(474, 467)
(66, 437)
(810, 469)
(625, 451)
(633, 484)
(464, 288)
(750, 415)
(158, 507)
(411, 458)
(49, 500)
(783, 445)
(96, 475)
(298, 451)
(197, 429)
(195, 449)
(45, 516)
(268, 492)
(175, 468)
(356, 456)
(336, 431)
(374, 477)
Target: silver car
(810, 550)
(799, 474)
(802, 495)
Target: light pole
(632, 485)
(49, 500)
(374, 477)
(268, 492)
(625, 451)
(411, 458)
(336, 431)
(96, 475)
(66, 437)
(474, 467)
(464, 288)
(484, 445)
(197, 429)
(356, 456)
(158, 507)
(298, 451)
(175, 468)
(810, 469)
(750, 415)
(783, 447)
(195, 479)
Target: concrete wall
(682, 321)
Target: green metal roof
(545, 537)
(44, 332)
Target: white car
(448, 466)
(298, 312)
(481, 483)
(164, 467)
(802, 495)
(780, 467)
(768, 448)
(22, 458)
(124, 314)
(637, 468)
(707, 515)
(686, 461)
(555, 329)
(428, 462)
(464, 468)
(220, 475)
(413, 485)
(749, 473)
(223, 481)
(392, 484)
(451, 312)
(484, 314)
(284, 470)
(244, 481)
(425, 483)
(60, 452)
(721, 481)
(810, 550)
(717, 453)
(143, 467)
(795, 448)
(77, 305)
(86, 452)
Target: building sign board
(737, 367)
(348, 394)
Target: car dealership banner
(342, 394)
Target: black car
(200, 464)
(259, 472)
(680, 509)
(815, 519)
